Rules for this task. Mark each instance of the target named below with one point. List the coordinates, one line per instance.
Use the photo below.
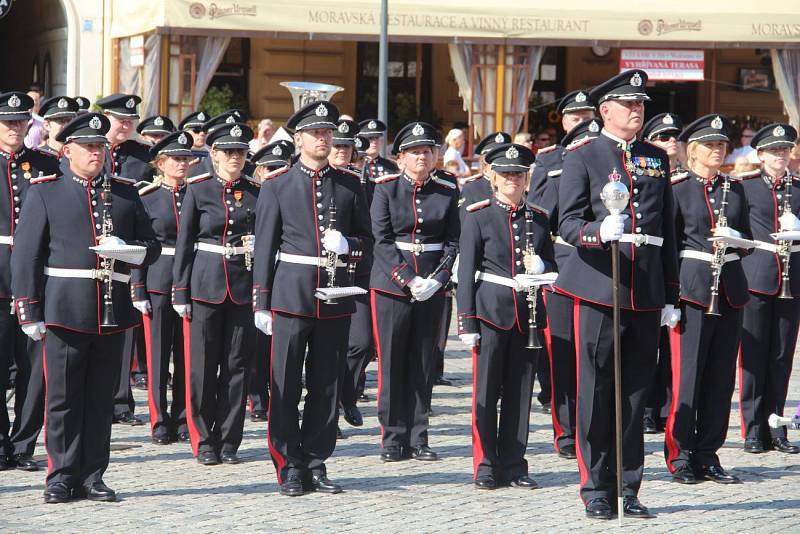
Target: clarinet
(248, 255)
(785, 246)
(331, 257)
(107, 270)
(718, 259)
(533, 332)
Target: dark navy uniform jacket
(493, 241)
(405, 212)
(163, 205)
(544, 192)
(214, 212)
(696, 211)
(474, 190)
(765, 199)
(130, 159)
(374, 169)
(16, 172)
(648, 273)
(62, 218)
(293, 214)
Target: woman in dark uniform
(503, 241)
(705, 342)
(415, 225)
(150, 288)
(212, 291)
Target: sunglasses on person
(665, 137)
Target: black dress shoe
(207, 458)
(25, 462)
(293, 486)
(524, 482)
(599, 509)
(258, 416)
(424, 454)
(649, 426)
(161, 439)
(323, 484)
(442, 381)
(684, 475)
(5, 462)
(753, 446)
(631, 507)
(184, 436)
(339, 433)
(717, 474)
(141, 382)
(56, 492)
(486, 482)
(229, 457)
(567, 452)
(100, 492)
(783, 445)
(353, 415)
(127, 418)
(391, 454)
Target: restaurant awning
(675, 23)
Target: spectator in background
(455, 141)
(794, 160)
(34, 136)
(525, 139)
(542, 140)
(744, 148)
(743, 165)
(264, 134)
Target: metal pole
(383, 62)
(617, 376)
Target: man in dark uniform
(56, 112)
(60, 285)
(18, 166)
(375, 165)
(154, 129)
(83, 104)
(307, 217)
(772, 314)
(560, 334)
(131, 160)
(648, 286)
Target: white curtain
(210, 51)
(152, 76)
(532, 57)
(786, 67)
(128, 75)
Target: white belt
(6, 239)
(773, 247)
(167, 251)
(642, 239)
(560, 241)
(418, 248)
(496, 279)
(316, 261)
(93, 274)
(707, 256)
(225, 250)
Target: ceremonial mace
(615, 197)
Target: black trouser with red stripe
(164, 338)
(704, 349)
(768, 339)
(595, 427)
(560, 335)
(221, 340)
(80, 373)
(360, 347)
(123, 397)
(660, 392)
(294, 447)
(12, 341)
(501, 364)
(258, 387)
(406, 334)
(29, 396)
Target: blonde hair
(452, 135)
(493, 178)
(159, 176)
(692, 147)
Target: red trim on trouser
(740, 365)
(558, 430)
(148, 350)
(377, 337)
(669, 440)
(194, 435)
(44, 426)
(277, 459)
(477, 446)
(576, 321)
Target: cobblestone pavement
(161, 488)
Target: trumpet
(331, 257)
(718, 259)
(107, 270)
(533, 332)
(785, 246)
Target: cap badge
(230, 120)
(14, 101)
(80, 101)
(236, 131)
(418, 130)
(668, 119)
(182, 139)
(358, 142)
(62, 103)
(95, 123)
(372, 125)
(580, 97)
(779, 131)
(201, 116)
(499, 138)
(321, 111)
(276, 151)
(158, 121)
(344, 128)
(512, 153)
(716, 123)
(594, 127)
(636, 80)
(130, 104)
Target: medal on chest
(26, 169)
(237, 197)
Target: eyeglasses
(664, 138)
(747, 136)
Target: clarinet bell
(534, 339)
(786, 292)
(713, 306)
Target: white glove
(415, 282)
(35, 331)
(670, 315)
(334, 241)
(789, 222)
(426, 289)
(263, 321)
(533, 264)
(726, 231)
(470, 340)
(143, 306)
(612, 228)
(110, 240)
(183, 310)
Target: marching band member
(713, 287)
(154, 129)
(773, 274)
(80, 300)
(502, 239)
(478, 187)
(56, 113)
(375, 165)
(416, 226)
(211, 291)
